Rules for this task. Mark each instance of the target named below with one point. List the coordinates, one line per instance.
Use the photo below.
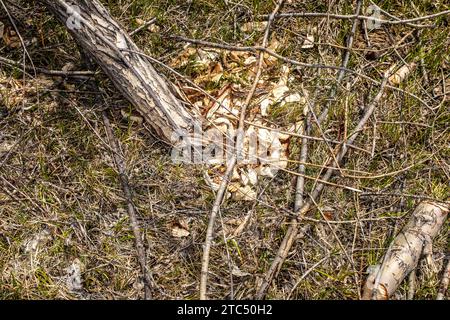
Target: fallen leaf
(222, 105)
(278, 92)
(11, 39)
(179, 229)
(182, 59)
(252, 176)
(243, 224)
(245, 193)
(264, 106)
(296, 97)
(250, 60)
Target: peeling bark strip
(105, 40)
(403, 254)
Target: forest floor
(64, 228)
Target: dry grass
(59, 185)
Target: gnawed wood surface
(105, 40)
(405, 251)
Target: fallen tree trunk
(104, 39)
(405, 251)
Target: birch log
(94, 29)
(405, 251)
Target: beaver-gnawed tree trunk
(404, 252)
(108, 43)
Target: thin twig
(400, 194)
(293, 228)
(300, 186)
(298, 63)
(344, 64)
(59, 73)
(292, 231)
(299, 199)
(409, 24)
(355, 16)
(140, 248)
(307, 272)
(231, 164)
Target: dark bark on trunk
(105, 40)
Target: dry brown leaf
(245, 193)
(179, 229)
(235, 56)
(11, 38)
(250, 60)
(182, 59)
(252, 176)
(216, 72)
(279, 92)
(274, 44)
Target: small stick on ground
(294, 223)
(56, 73)
(307, 272)
(293, 230)
(130, 206)
(232, 163)
(396, 21)
(344, 64)
(299, 199)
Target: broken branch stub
(405, 251)
(108, 43)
